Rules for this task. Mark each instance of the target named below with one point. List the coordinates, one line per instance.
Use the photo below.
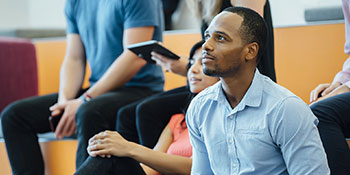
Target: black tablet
(144, 50)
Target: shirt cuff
(341, 77)
(347, 84)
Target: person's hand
(109, 143)
(339, 90)
(322, 90)
(66, 126)
(332, 87)
(176, 66)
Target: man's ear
(252, 50)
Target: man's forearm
(126, 65)
(118, 74)
(71, 79)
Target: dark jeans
(110, 166)
(143, 122)
(334, 126)
(22, 120)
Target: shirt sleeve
(344, 76)
(200, 159)
(297, 136)
(140, 13)
(70, 17)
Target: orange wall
(308, 55)
(50, 54)
(4, 162)
(59, 157)
(181, 44)
(305, 56)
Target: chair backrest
(18, 70)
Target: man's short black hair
(253, 27)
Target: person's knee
(322, 111)
(145, 108)
(318, 108)
(144, 116)
(141, 112)
(121, 119)
(123, 113)
(85, 115)
(126, 118)
(8, 115)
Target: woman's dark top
(266, 64)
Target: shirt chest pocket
(250, 133)
(253, 136)
(255, 143)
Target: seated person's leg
(21, 122)
(334, 127)
(109, 166)
(126, 124)
(99, 114)
(153, 114)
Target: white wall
(284, 12)
(291, 12)
(31, 14)
(13, 13)
(183, 18)
(49, 13)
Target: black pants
(334, 126)
(22, 120)
(169, 7)
(143, 122)
(110, 166)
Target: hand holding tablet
(144, 49)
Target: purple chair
(18, 70)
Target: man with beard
(246, 123)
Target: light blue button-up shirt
(270, 132)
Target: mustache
(205, 54)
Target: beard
(221, 72)
(211, 72)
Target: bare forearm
(182, 67)
(162, 162)
(119, 73)
(71, 78)
(126, 65)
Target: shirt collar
(252, 97)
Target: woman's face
(198, 81)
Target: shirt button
(234, 165)
(231, 116)
(230, 140)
